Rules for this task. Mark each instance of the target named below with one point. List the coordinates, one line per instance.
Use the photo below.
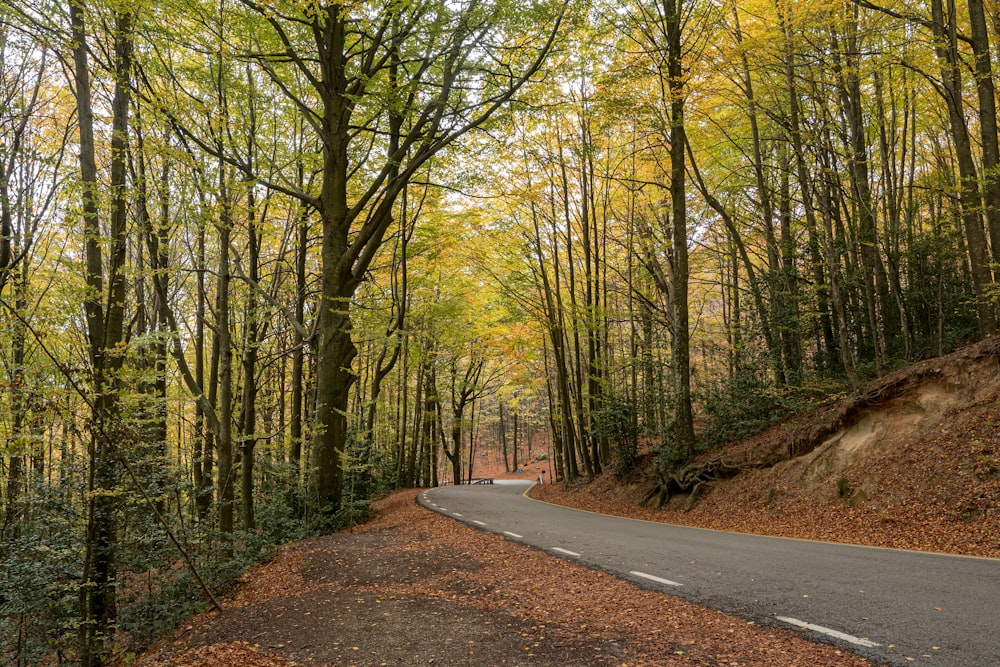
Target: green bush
(39, 592)
(670, 457)
(740, 407)
(618, 422)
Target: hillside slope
(910, 461)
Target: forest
(262, 261)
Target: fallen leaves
(936, 492)
(230, 653)
(325, 601)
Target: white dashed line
(827, 631)
(457, 514)
(478, 523)
(443, 509)
(565, 551)
(514, 535)
(658, 580)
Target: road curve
(899, 607)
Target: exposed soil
(415, 588)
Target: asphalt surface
(897, 607)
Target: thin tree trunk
(789, 308)
(986, 92)
(806, 186)
(873, 280)
(13, 513)
(225, 482)
(202, 463)
(969, 200)
(769, 318)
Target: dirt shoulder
(412, 587)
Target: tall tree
(661, 31)
(361, 78)
(104, 306)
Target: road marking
(827, 631)
(658, 580)
(565, 551)
(457, 514)
(443, 509)
(514, 535)
(478, 523)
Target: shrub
(618, 422)
(670, 457)
(39, 592)
(740, 407)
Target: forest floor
(412, 587)
(910, 461)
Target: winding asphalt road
(893, 606)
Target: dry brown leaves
(541, 610)
(940, 493)
(660, 629)
(232, 653)
(279, 576)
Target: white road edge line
(827, 631)
(565, 551)
(658, 580)
(478, 523)
(514, 535)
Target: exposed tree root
(691, 477)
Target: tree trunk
(105, 329)
(880, 322)
(503, 440)
(557, 339)
(969, 200)
(418, 417)
(770, 320)
(18, 406)
(248, 415)
(822, 289)
(202, 463)
(791, 334)
(334, 354)
(986, 91)
(576, 368)
(224, 436)
(680, 348)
